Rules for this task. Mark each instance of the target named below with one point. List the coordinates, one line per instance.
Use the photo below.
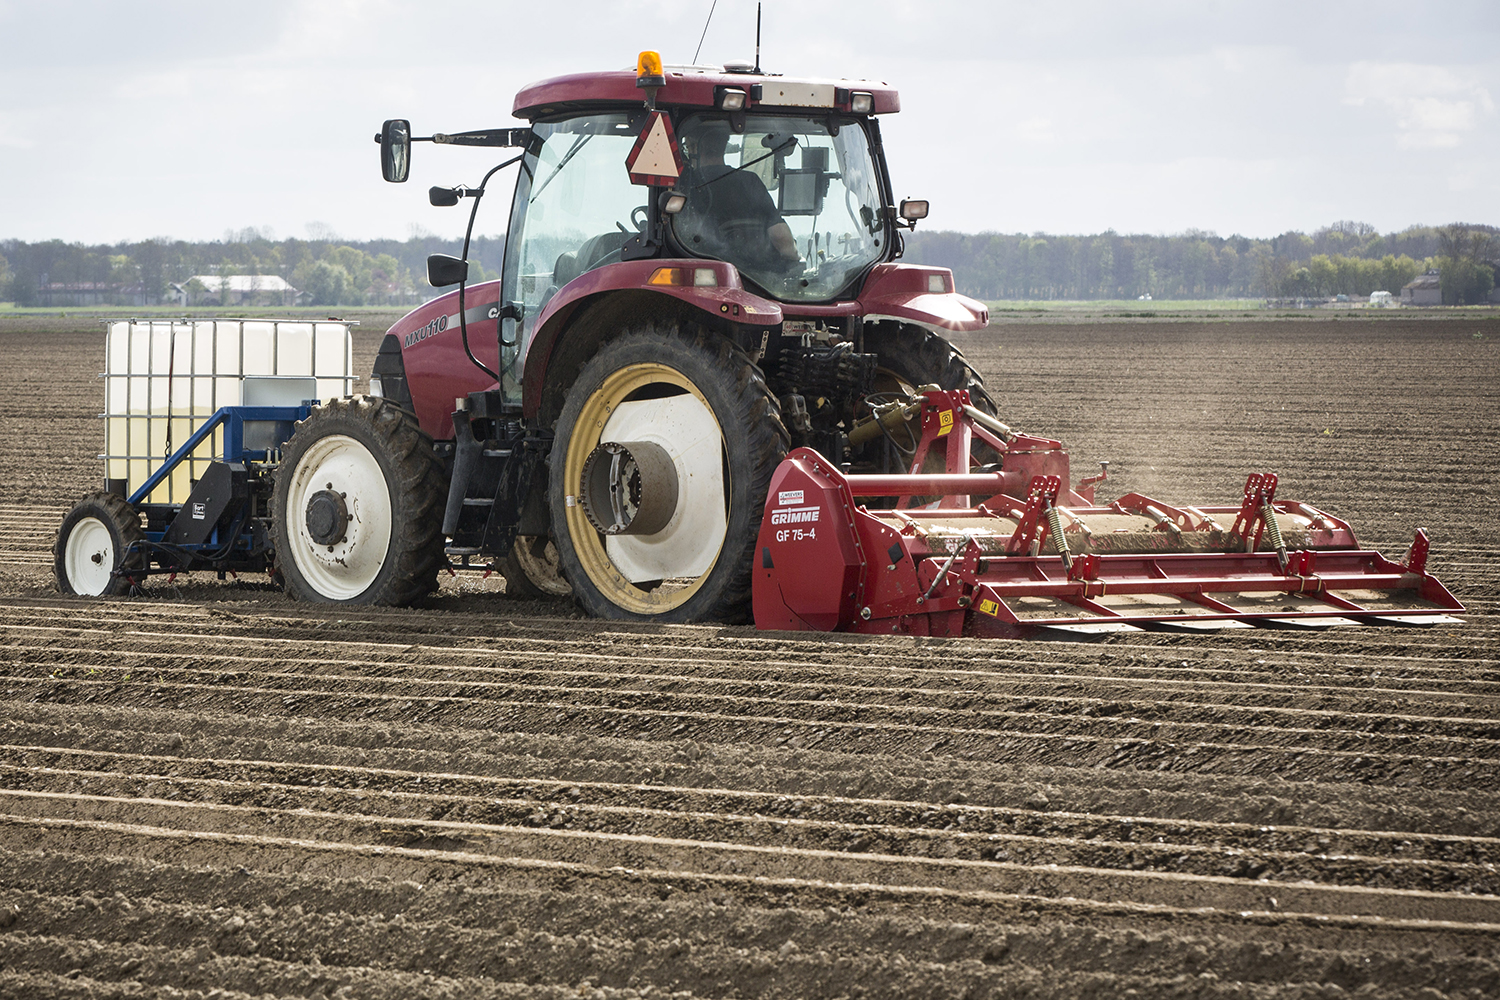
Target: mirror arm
(483, 137)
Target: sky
(188, 120)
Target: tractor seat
(594, 252)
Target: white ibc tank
(164, 378)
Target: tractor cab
(795, 204)
(783, 180)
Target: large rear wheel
(662, 458)
(358, 507)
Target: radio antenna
(757, 37)
(705, 32)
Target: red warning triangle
(655, 158)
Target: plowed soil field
(211, 791)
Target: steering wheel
(638, 217)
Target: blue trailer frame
(228, 546)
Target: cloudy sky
(122, 121)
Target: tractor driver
(729, 213)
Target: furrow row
(610, 941)
(1254, 797)
(81, 769)
(1256, 679)
(1404, 735)
(1290, 755)
(1304, 656)
(855, 828)
(1120, 702)
(329, 843)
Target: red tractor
(704, 383)
(700, 273)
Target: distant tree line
(328, 272)
(1349, 258)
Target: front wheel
(531, 570)
(910, 358)
(662, 458)
(358, 507)
(92, 556)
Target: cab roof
(697, 86)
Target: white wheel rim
(89, 557)
(680, 556)
(348, 567)
(689, 545)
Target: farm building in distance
(1423, 290)
(90, 293)
(238, 290)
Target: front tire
(92, 557)
(911, 357)
(695, 398)
(358, 507)
(532, 572)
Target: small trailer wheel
(92, 556)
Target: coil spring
(1059, 540)
(1273, 530)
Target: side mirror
(911, 211)
(445, 270)
(395, 150)
(442, 197)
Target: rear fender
(586, 310)
(913, 293)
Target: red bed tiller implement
(704, 384)
(1032, 555)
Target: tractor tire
(694, 397)
(91, 557)
(358, 506)
(532, 572)
(911, 357)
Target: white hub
(689, 544)
(90, 557)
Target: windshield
(793, 203)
